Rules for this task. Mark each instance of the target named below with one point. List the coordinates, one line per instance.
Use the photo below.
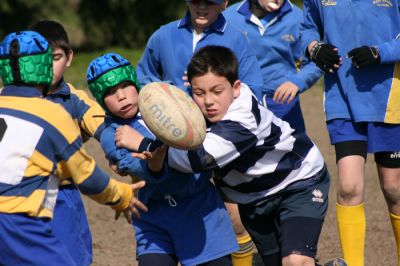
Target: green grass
(76, 73)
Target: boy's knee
(297, 260)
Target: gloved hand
(364, 56)
(325, 56)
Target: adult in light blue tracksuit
(357, 44)
(274, 35)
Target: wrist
(315, 49)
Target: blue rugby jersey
(254, 154)
(277, 45)
(87, 114)
(170, 48)
(370, 93)
(173, 182)
(37, 139)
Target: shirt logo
(288, 38)
(328, 2)
(383, 3)
(317, 196)
(395, 155)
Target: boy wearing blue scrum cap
(187, 221)
(41, 146)
(70, 223)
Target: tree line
(95, 24)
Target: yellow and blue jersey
(87, 114)
(38, 139)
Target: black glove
(324, 56)
(364, 56)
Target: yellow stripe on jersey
(30, 205)
(42, 108)
(38, 165)
(84, 167)
(120, 202)
(94, 116)
(393, 107)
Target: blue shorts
(70, 225)
(30, 241)
(198, 229)
(289, 112)
(380, 137)
(289, 222)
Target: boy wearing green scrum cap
(187, 221)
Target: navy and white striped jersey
(253, 153)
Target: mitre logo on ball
(172, 115)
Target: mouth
(126, 108)
(211, 112)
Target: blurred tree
(96, 24)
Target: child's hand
(155, 159)
(286, 92)
(127, 137)
(134, 205)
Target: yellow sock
(244, 256)
(352, 226)
(395, 219)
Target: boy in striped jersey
(276, 175)
(39, 141)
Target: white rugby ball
(172, 115)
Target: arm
(149, 67)
(249, 68)
(226, 141)
(91, 118)
(123, 158)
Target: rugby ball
(172, 115)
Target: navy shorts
(70, 225)
(30, 241)
(196, 229)
(290, 222)
(380, 137)
(290, 112)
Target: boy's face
(204, 13)
(214, 94)
(60, 62)
(122, 100)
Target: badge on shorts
(317, 196)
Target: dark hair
(218, 60)
(54, 33)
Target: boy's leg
(351, 151)
(223, 261)
(244, 256)
(70, 225)
(383, 140)
(260, 223)
(30, 241)
(301, 215)
(388, 165)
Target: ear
(70, 56)
(236, 89)
(225, 4)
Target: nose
(121, 95)
(208, 100)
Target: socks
(352, 226)
(395, 219)
(244, 256)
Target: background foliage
(95, 24)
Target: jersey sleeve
(91, 119)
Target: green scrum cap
(107, 71)
(26, 59)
